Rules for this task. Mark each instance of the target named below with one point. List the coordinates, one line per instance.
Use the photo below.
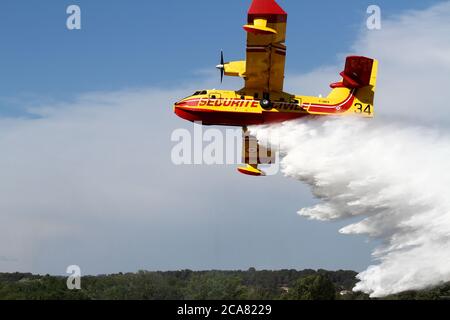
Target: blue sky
(95, 169)
(138, 43)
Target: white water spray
(395, 177)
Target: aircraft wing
(266, 51)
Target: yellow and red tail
(359, 77)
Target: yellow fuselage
(221, 107)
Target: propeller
(221, 66)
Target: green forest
(200, 285)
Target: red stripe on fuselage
(196, 110)
(234, 118)
(336, 108)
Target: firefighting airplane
(262, 100)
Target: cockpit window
(197, 93)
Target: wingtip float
(262, 100)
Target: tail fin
(360, 74)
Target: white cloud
(90, 182)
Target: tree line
(199, 285)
